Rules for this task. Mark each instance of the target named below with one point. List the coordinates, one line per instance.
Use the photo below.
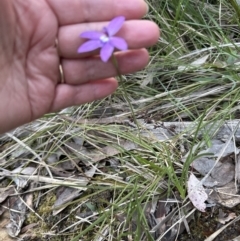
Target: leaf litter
(74, 166)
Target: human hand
(30, 84)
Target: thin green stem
(114, 60)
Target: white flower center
(104, 38)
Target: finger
(79, 11)
(83, 70)
(137, 33)
(69, 95)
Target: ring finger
(80, 71)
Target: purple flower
(104, 40)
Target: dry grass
(95, 175)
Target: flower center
(104, 38)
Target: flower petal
(119, 43)
(91, 35)
(89, 46)
(115, 25)
(106, 52)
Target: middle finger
(137, 33)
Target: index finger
(79, 11)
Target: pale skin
(29, 59)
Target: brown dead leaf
(5, 192)
(203, 165)
(226, 196)
(95, 155)
(161, 215)
(224, 218)
(29, 227)
(67, 194)
(221, 175)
